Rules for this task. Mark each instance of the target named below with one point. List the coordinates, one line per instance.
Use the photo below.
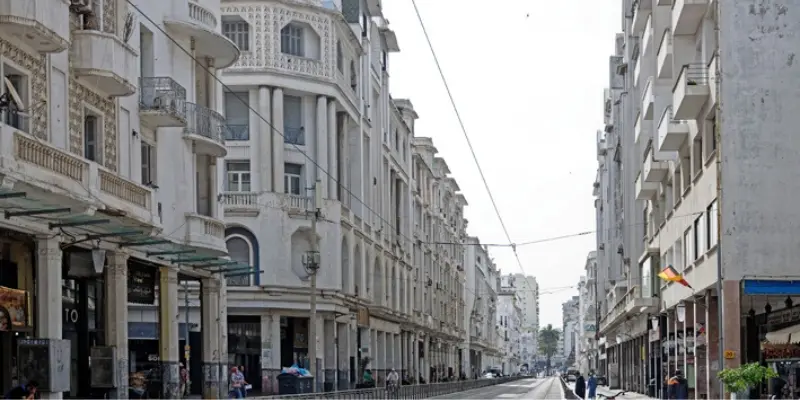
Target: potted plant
(738, 381)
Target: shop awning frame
(788, 335)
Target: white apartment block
(701, 185)
(510, 323)
(528, 291)
(109, 139)
(480, 313)
(570, 329)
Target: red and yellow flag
(669, 274)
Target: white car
(571, 378)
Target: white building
(510, 323)
(570, 330)
(480, 314)
(528, 292)
(589, 316)
(109, 140)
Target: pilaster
(116, 282)
(169, 344)
(209, 320)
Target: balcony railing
(298, 202)
(295, 136)
(695, 74)
(205, 122)
(163, 95)
(237, 132)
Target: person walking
(26, 391)
(236, 384)
(580, 387)
(592, 385)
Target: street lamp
(680, 311)
(310, 261)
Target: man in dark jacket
(678, 386)
(580, 387)
(26, 391)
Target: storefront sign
(13, 309)
(777, 351)
(141, 284)
(363, 317)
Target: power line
(466, 136)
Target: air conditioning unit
(81, 6)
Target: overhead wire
(466, 136)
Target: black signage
(141, 284)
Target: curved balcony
(199, 22)
(162, 102)
(41, 24)
(206, 129)
(205, 233)
(105, 61)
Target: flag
(669, 274)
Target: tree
(548, 342)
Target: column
(343, 353)
(169, 352)
(322, 143)
(426, 360)
(211, 85)
(270, 352)
(209, 327)
(213, 199)
(345, 157)
(712, 348)
(223, 337)
(333, 145)
(329, 360)
(49, 310)
(380, 355)
(261, 134)
(277, 140)
(116, 282)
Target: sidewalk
(605, 391)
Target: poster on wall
(13, 309)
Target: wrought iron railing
(294, 136)
(162, 94)
(205, 122)
(238, 132)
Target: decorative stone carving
(110, 16)
(35, 66)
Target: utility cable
(466, 136)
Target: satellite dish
(10, 89)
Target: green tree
(548, 342)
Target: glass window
(91, 136)
(238, 176)
(240, 250)
(292, 179)
(712, 233)
(148, 164)
(292, 40)
(238, 32)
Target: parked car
(571, 378)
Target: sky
(527, 78)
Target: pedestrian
(184, 380)
(236, 383)
(592, 385)
(580, 387)
(244, 387)
(25, 391)
(678, 386)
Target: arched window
(240, 250)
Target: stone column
(211, 85)
(223, 338)
(712, 348)
(261, 134)
(344, 351)
(169, 344)
(426, 360)
(49, 312)
(329, 353)
(346, 170)
(333, 145)
(213, 200)
(322, 143)
(116, 282)
(209, 321)
(277, 140)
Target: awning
(785, 336)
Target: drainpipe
(718, 138)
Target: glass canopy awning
(82, 226)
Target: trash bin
(293, 384)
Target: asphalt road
(533, 388)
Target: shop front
(16, 301)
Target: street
(533, 388)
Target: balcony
(642, 130)
(52, 175)
(647, 36)
(162, 102)
(631, 304)
(664, 56)
(671, 133)
(41, 24)
(654, 171)
(105, 61)
(193, 19)
(664, 2)
(691, 91)
(647, 100)
(687, 15)
(206, 129)
(240, 203)
(205, 233)
(298, 204)
(641, 9)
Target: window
(238, 32)
(712, 233)
(292, 178)
(237, 115)
(688, 252)
(339, 57)
(699, 237)
(238, 175)
(241, 251)
(15, 87)
(647, 278)
(292, 40)
(710, 137)
(148, 164)
(293, 131)
(92, 136)
(697, 154)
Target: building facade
(110, 139)
(510, 324)
(528, 291)
(692, 173)
(480, 314)
(570, 311)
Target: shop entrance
(294, 342)
(244, 347)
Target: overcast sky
(528, 79)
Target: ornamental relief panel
(266, 23)
(35, 67)
(80, 96)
